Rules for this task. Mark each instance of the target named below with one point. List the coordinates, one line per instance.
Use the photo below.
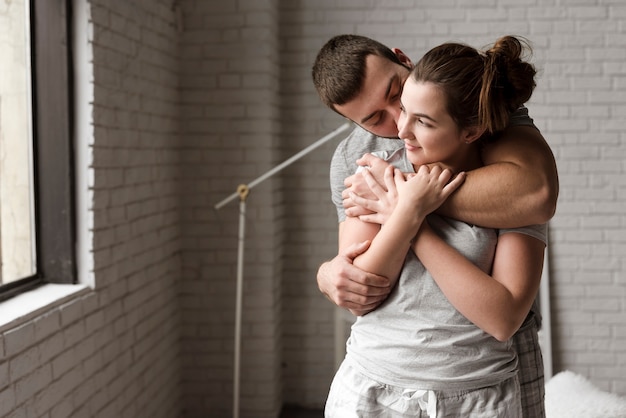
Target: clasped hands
(372, 197)
(373, 194)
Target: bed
(570, 395)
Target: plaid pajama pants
(531, 379)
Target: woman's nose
(402, 131)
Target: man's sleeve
(339, 170)
(521, 118)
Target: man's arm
(338, 279)
(349, 287)
(412, 200)
(517, 186)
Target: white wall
(112, 351)
(234, 129)
(186, 106)
(580, 50)
(230, 134)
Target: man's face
(377, 107)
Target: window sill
(28, 305)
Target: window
(36, 190)
(16, 197)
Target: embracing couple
(443, 192)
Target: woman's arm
(496, 303)
(416, 197)
(349, 287)
(389, 243)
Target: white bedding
(569, 395)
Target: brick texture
(114, 352)
(192, 98)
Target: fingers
(358, 303)
(376, 188)
(389, 178)
(363, 295)
(361, 202)
(354, 250)
(398, 178)
(364, 309)
(350, 287)
(454, 184)
(348, 181)
(357, 184)
(357, 211)
(370, 160)
(373, 218)
(441, 175)
(375, 165)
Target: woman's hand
(421, 192)
(427, 189)
(358, 185)
(382, 199)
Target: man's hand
(350, 288)
(378, 209)
(357, 184)
(429, 188)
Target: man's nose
(394, 112)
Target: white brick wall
(578, 105)
(181, 115)
(230, 81)
(114, 351)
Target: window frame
(53, 159)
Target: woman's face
(430, 134)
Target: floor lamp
(242, 193)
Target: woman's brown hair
(481, 88)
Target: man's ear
(404, 59)
(472, 133)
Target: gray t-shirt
(416, 338)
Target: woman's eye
(423, 122)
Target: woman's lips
(410, 147)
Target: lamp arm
(286, 163)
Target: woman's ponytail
(481, 88)
(508, 82)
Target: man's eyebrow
(389, 85)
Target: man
(362, 80)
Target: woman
(439, 345)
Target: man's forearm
(518, 185)
(347, 286)
(491, 197)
